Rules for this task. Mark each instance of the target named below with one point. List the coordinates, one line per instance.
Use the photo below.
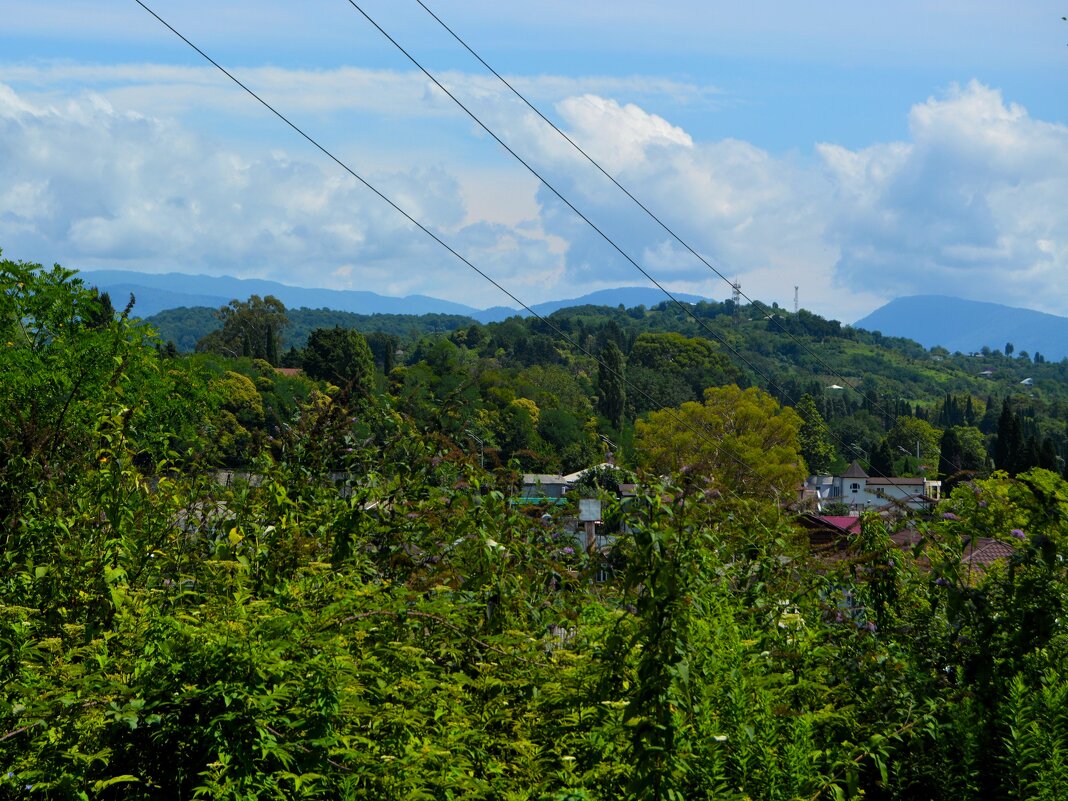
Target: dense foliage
(362, 612)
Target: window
(855, 486)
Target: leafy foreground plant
(406, 632)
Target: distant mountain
(150, 300)
(156, 292)
(628, 296)
(969, 325)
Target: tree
(1009, 444)
(102, 315)
(696, 361)
(340, 356)
(882, 460)
(611, 387)
(816, 447)
(383, 348)
(962, 453)
(741, 440)
(911, 433)
(250, 328)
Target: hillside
(185, 326)
(861, 381)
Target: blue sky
(859, 152)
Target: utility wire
(685, 308)
(768, 314)
(702, 434)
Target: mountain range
(931, 320)
(969, 326)
(156, 292)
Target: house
(830, 531)
(834, 538)
(857, 490)
(543, 486)
(548, 486)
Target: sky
(857, 151)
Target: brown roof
(289, 371)
(854, 471)
(984, 551)
(896, 481)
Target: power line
(696, 430)
(735, 286)
(686, 310)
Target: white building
(858, 490)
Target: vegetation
(357, 610)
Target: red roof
(850, 523)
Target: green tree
(911, 433)
(611, 384)
(738, 439)
(962, 454)
(881, 462)
(250, 328)
(384, 349)
(64, 362)
(816, 446)
(340, 356)
(1009, 446)
(696, 361)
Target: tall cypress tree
(816, 447)
(882, 460)
(1009, 445)
(951, 454)
(611, 387)
(1047, 455)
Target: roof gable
(854, 471)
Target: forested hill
(876, 396)
(185, 326)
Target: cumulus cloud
(745, 210)
(92, 187)
(971, 206)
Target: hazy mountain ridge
(157, 292)
(969, 325)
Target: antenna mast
(795, 299)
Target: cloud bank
(971, 204)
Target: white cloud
(93, 187)
(746, 211)
(972, 206)
(164, 89)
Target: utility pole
(481, 448)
